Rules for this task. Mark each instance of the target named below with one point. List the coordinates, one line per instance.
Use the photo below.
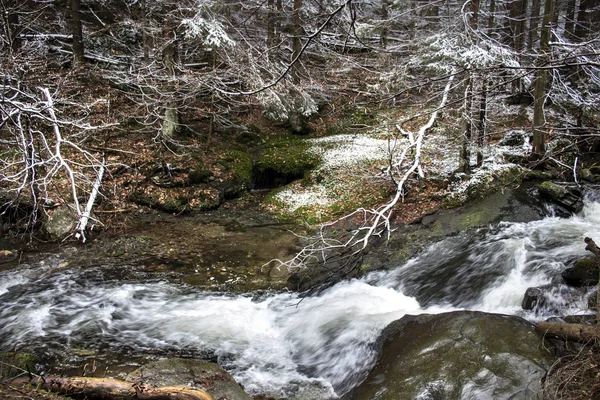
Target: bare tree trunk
(77, 34)
(482, 122)
(534, 23)
(570, 20)
(492, 11)
(541, 82)
(475, 5)
(582, 27)
(296, 42)
(271, 15)
(464, 162)
(12, 27)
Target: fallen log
(112, 389)
(564, 331)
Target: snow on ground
(352, 161)
(344, 161)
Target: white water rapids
(280, 343)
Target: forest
(350, 119)
(86, 83)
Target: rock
(568, 198)
(457, 355)
(60, 223)
(584, 272)
(188, 372)
(593, 301)
(196, 176)
(534, 296)
(591, 174)
(515, 139)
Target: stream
(280, 343)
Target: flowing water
(282, 343)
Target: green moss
(286, 155)
(239, 163)
(14, 364)
(199, 175)
(352, 118)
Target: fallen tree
(112, 389)
(564, 331)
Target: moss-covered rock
(591, 174)
(282, 159)
(459, 355)
(481, 184)
(178, 200)
(568, 198)
(584, 272)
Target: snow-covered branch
(374, 222)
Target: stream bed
(279, 343)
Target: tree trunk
(271, 23)
(564, 331)
(516, 21)
(570, 20)
(296, 42)
(474, 21)
(383, 35)
(482, 122)
(492, 11)
(541, 82)
(582, 27)
(77, 34)
(464, 162)
(534, 23)
(12, 26)
(113, 389)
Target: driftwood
(112, 389)
(564, 331)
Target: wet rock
(188, 372)
(534, 296)
(60, 223)
(568, 198)
(458, 355)
(593, 301)
(584, 272)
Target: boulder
(551, 298)
(457, 355)
(584, 272)
(568, 198)
(189, 372)
(591, 174)
(60, 223)
(534, 297)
